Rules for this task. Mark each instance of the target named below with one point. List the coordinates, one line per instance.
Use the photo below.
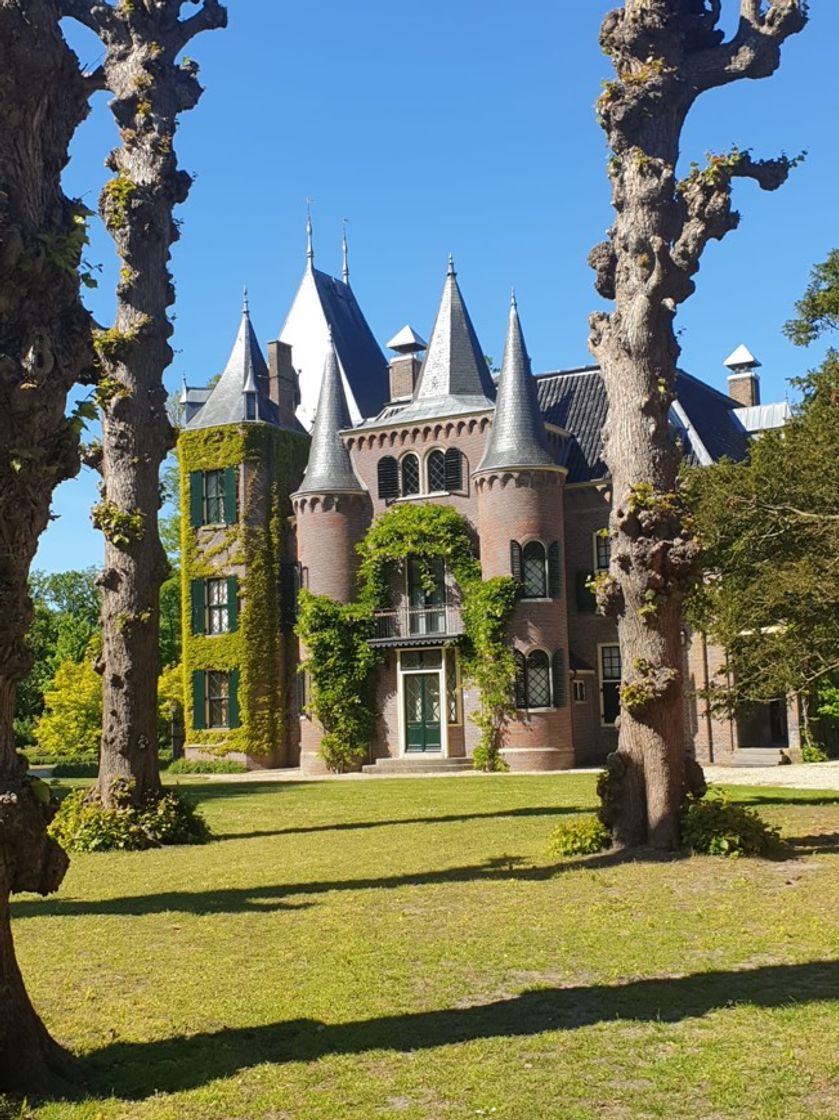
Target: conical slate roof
(330, 469)
(454, 376)
(245, 372)
(517, 439)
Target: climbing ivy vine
(341, 663)
(255, 546)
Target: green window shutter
(231, 512)
(235, 721)
(197, 591)
(196, 498)
(559, 678)
(199, 719)
(521, 679)
(555, 571)
(232, 603)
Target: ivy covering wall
(343, 695)
(254, 547)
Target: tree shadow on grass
(449, 818)
(137, 1070)
(266, 898)
(745, 795)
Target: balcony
(417, 625)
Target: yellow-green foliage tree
(72, 722)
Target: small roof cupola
(454, 376)
(330, 469)
(517, 439)
(743, 380)
(242, 391)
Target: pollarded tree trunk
(142, 41)
(44, 350)
(665, 53)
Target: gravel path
(819, 775)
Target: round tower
(520, 491)
(332, 511)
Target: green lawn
(349, 951)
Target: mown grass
(406, 949)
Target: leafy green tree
(71, 725)
(770, 531)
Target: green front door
(422, 711)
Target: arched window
(534, 578)
(410, 475)
(388, 471)
(538, 676)
(435, 468)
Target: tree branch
(706, 201)
(755, 50)
(95, 80)
(91, 13)
(211, 15)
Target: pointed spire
(184, 397)
(330, 469)
(345, 260)
(454, 374)
(310, 245)
(245, 373)
(517, 439)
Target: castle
(268, 509)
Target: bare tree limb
(212, 15)
(755, 50)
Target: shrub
(87, 826)
(206, 766)
(582, 836)
(75, 770)
(488, 759)
(812, 752)
(716, 827)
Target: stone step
(757, 756)
(418, 765)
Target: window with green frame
(215, 699)
(215, 605)
(213, 497)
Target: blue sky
(462, 126)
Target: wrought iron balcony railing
(418, 622)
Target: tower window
(213, 497)
(534, 577)
(218, 699)
(218, 611)
(538, 680)
(435, 466)
(410, 475)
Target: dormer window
(250, 406)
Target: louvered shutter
(196, 498)
(197, 593)
(521, 679)
(515, 561)
(555, 571)
(199, 717)
(233, 701)
(454, 469)
(560, 690)
(232, 603)
(231, 511)
(388, 474)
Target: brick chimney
(283, 386)
(405, 367)
(743, 381)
